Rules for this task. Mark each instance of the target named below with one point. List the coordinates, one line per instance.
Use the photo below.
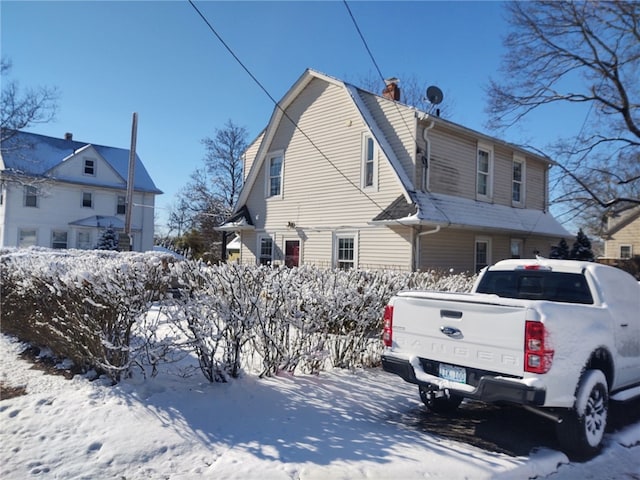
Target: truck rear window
(537, 285)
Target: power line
(285, 114)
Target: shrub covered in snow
(91, 307)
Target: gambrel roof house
(622, 239)
(62, 193)
(346, 178)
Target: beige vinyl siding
(502, 175)
(453, 163)
(627, 235)
(536, 189)
(455, 249)
(321, 190)
(398, 124)
(250, 155)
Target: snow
(336, 425)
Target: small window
(87, 199)
(482, 253)
(368, 162)
(274, 175)
(89, 167)
(516, 248)
(121, 208)
(517, 185)
(265, 256)
(484, 169)
(83, 240)
(30, 196)
(345, 253)
(59, 239)
(626, 251)
(27, 237)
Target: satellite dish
(434, 95)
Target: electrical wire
(285, 114)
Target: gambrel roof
(413, 207)
(38, 155)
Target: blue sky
(158, 58)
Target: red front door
(292, 253)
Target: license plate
(455, 374)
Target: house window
(121, 207)
(265, 250)
(482, 253)
(626, 251)
(516, 248)
(30, 196)
(87, 199)
(83, 240)
(368, 162)
(59, 239)
(274, 175)
(345, 251)
(89, 167)
(517, 186)
(27, 237)
(484, 170)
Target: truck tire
(582, 429)
(444, 404)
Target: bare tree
(21, 109)
(576, 53)
(209, 197)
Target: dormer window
(89, 167)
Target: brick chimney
(68, 136)
(392, 90)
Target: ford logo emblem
(451, 332)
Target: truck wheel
(582, 429)
(444, 404)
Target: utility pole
(130, 184)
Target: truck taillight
(387, 331)
(537, 354)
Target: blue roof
(35, 154)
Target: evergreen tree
(560, 251)
(108, 240)
(581, 249)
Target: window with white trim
(369, 170)
(626, 251)
(275, 164)
(482, 253)
(87, 199)
(83, 240)
(30, 196)
(484, 172)
(59, 239)
(265, 250)
(121, 206)
(89, 167)
(345, 251)
(27, 237)
(518, 183)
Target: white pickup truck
(557, 337)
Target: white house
(346, 178)
(62, 193)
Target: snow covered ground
(339, 425)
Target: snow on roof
(456, 211)
(99, 221)
(36, 154)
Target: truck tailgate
(460, 329)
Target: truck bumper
(490, 388)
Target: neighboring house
(345, 178)
(622, 239)
(61, 193)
